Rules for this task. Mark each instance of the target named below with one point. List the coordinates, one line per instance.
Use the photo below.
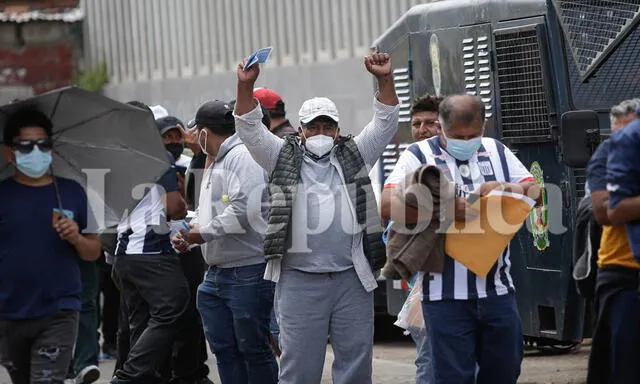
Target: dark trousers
(109, 313)
(38, 350)
(87, 345)
(623, 319)
(236, 305)
(189, 360)
(190, 350)
(486, 332)
(156, 296)
(123, 335)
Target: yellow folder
(478, 244)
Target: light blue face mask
(35, 163)
(462, 149)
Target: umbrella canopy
(110, 148)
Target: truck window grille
(523, 100)
(595, 27)
(580, 179)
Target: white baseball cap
(318, 106)
(159, 111)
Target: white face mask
(319, 145)
(203, 147)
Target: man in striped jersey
(470, 320)
(153, 286)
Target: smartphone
(59, 214)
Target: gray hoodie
(232, 212)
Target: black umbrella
(110, 148)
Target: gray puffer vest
(283, 187)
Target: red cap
(267, 97)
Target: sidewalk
(393, 364)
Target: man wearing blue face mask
(40, 255)
(470, 320)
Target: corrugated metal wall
(142, 40)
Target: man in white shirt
(190, 349)
(424, 125)
(323, 240)
(470, 320)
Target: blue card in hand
(260, 56)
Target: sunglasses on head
(26, 146)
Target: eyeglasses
(26, 146)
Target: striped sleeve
(518, 173)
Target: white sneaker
(88, 375)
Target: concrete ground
(393, 364)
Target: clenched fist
(250, 75)
(378, 64)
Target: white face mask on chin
(319, 145)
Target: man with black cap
(155, 291)
(190, 350)
(172, 132)
(173, 135)
(40, 282)
(234, 300)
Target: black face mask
(176, 149)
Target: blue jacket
(623, 175)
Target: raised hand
(250, 75)
(378, 64)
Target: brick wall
(42, 56)
(38, 4)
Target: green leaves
(93, 79)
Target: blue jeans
(483, 331)
(424, 356)
(235, 305)
(274, 328)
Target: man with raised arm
(323, 241)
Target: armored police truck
(548, 72)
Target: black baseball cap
(214, 115)
(167, 123)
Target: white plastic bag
(410, 316)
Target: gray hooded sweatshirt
(232, 212)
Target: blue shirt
(597, 167)
(39, 272)
(623, 175)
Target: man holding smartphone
(40, 283)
